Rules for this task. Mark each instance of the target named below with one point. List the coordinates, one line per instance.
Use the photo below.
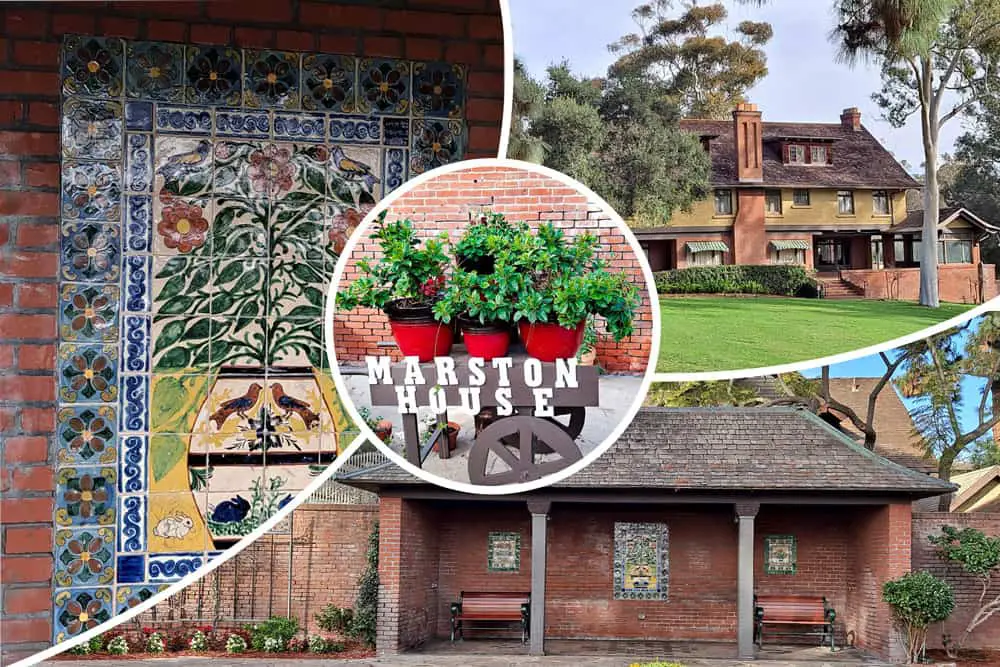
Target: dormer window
(818, 154)
(807, 152)
(796, 154)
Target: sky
(805, 82)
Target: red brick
(170, 31)
(27, 388)
(30, 264)
(26, 22)
(486, 82)
(77, 24)
(29, 203)
(27, 449)
(4, 234)
(255, 38)
(116, 26)
(8, 417)
(16, 326)
(42, 174)
(387, 47)
(479, 109)
(294, 40)
(26, 510)
(465, 53)
(493, 56)
(338, 43)
(251, 11)
(26, 569)
(29, 143)
(38, 420)
(210, 34)
(10, 173)
(31, 478)
(36, 357)
(486, 27)
(37, 295)
(24, 630)
(26, 540)
(6, 295)
(6, 356)
(11, 112)
(25, 82)
(27, 600)
(420, 48)
(45, 114)
(37, 54)
(341, 16)
(426, 23)
(35, 236)
(185, 10)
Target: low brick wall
(966, 588)
(957, 283)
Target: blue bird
(352, 169)
(284, 501)
(184, 163)
(231, 511)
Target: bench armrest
(831, 615)
(758, 614)
(525, 612)
(456, 608)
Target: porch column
(745, 514)
(889, 251)
(539, 538)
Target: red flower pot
(548, 342)
(422, 339)
(485, 340)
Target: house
(978, 491)
(827, 196)
(725, 503)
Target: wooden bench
(479, 608)
(793, 610)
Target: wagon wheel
(573, 427)
(531, 433)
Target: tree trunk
(928, 243)
(944, 473)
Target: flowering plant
(235, 644)
(118, 646)
(199, 641)
(155, 643)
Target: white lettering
(566, 373)
(503, 364)
(406, 398)
(503, 396)
(532, 372)
(477, 378)
(379, 370)
(542, 406)
(413, 373)
(445, 371)
(470, 399)
(438, 400)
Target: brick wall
(444, 205)
(966, 588)
(467, 32)
(957, 283)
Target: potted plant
(483, 305)
(476, 250)
(564, 283)
(404, 283)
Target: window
(899, 250)
(792, 256)
(880, 202)
(723, 202)
(772, 202)
(817, 154)
(955, 252)
(705, 258)
(796, 154)
(845, 202)
(800, 198)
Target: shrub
(335, 619)
(273, 645)
(277, 628)
(296, 645)
(236, 644)
(363, 625)
(97, 643)
(317, 644)
(177, 640)
(777, 279)
(80, 649)
(155, 643)
(199, 641)
(334, 647)
(917, 599)
(118, 646)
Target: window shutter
(829, 154)
(807, 150)
(785, 153)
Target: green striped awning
(707, 246)
(796, 244)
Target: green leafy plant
(155, 643)
(487, 236)
(335, 619)
(316, 644)
(776, 279)
(276, 631)
(97, 643)
(917, 599)
(365, 621)
(118, 646)
(236, 644)
(199, 641)
(409, 271)
(80, 649)
(978, 555)
(487, 299)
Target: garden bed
(352, 650)
(969, 657)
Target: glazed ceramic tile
(206, 192)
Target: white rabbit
(176, 526)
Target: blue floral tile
(272, 80)
(384, 86)
(135, 403)
(87, 435)
(394, 165)
(360, 129)
(138, 225)
(92, 66)
(86, 496)
(396, 131)
(174, 567)
(434, 143)
(135, 344)
(139, 163)
(137, 284)
(155, 71)
(132, 464)
(213, 76)
(89, 312)
(438, 90)
(91, 191)
(329, 83)
(90, 252)
(92, 129)
(84, 557)
(79, 610)
(183, 120)
(132, 527)
(239, 123)
(299, 126)
(88, 373)
(128, 597)
(139, 116)
(131, 570)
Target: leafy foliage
(273, 634)
(365, 622)
(917, 599)
(235, 644)
(486, 237)
(335, 619)
(529, 96)
(786, 280)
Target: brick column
(389, 575)
(749, 234)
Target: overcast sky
(805, 82)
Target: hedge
(777, 279)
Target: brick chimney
(851, 119)
(749, 143)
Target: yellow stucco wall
(703, 213)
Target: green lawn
(723, 333)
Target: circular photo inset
(490, 326)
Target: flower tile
(91, 191)
(84, 557)
(91, 252)
(384, 86)
(329, 83)
(79, 610)
(92, 66)
(91, 129)
(88, 373)
(271, 80)
(213, 75)
(438, 90)
(87, 435)
(155, 71)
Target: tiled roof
(914, 221)
(859, 160)
(731, 449)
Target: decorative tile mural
(503, 552)
(206, 193)
(779, 554)
(641, 561)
